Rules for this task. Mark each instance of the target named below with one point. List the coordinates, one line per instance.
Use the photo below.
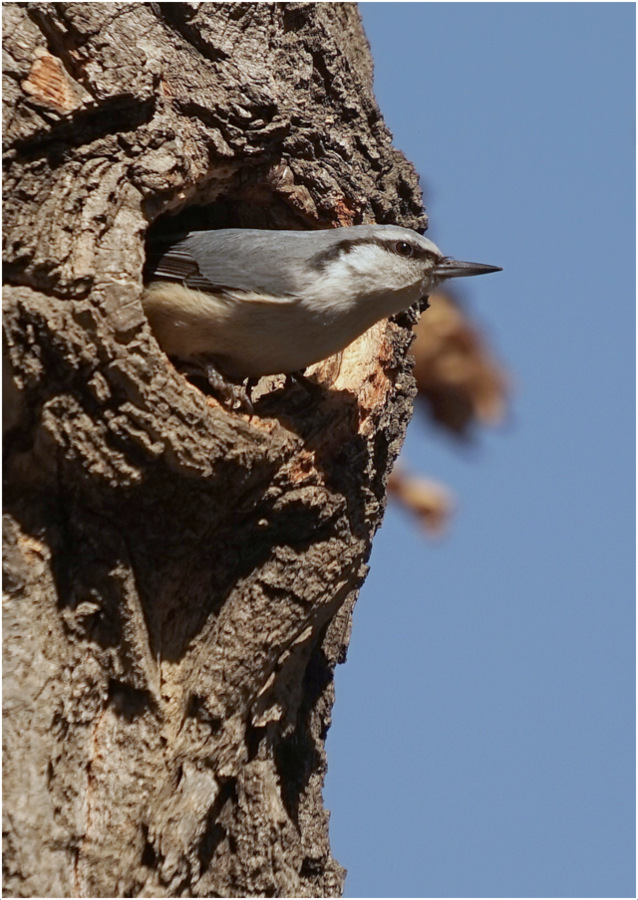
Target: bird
(243, 303)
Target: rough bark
(179, 578)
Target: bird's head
(390, 262)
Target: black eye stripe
(413, 251)
(325, 257)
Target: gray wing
(276, 263)
(271, 262)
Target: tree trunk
(179, 577)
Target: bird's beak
(454, 268)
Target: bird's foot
(314, 391)
(232, 393)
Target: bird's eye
(403, 248)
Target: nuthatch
(249, 303)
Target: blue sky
(483, 734)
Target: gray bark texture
(179, 577)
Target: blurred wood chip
(456, 373)
(429, 501)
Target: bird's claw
(232, 394)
